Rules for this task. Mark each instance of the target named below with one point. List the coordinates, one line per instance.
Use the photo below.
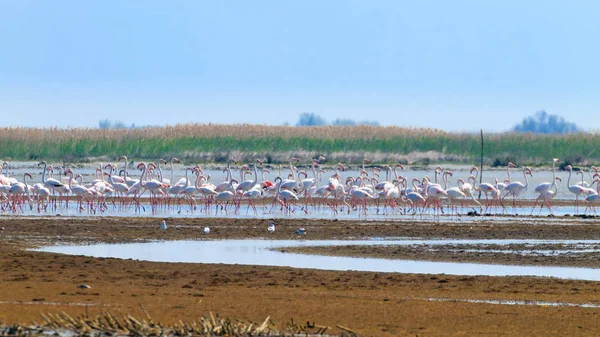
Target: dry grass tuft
(126, 325)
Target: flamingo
(307, 183)
(453, 193)
(414, 197)
(549, 195)
(508, 167)
(18, 190)
(253, 194)
(433, 193)
(359, 195)
(79, 190)
(517, 188)
(5, 179)
(386, 184)
(121, 188)
(286, 196)
(292, 183)
(587, 190)
(227, 183)
(154, 186)
(129, 181)
(246, 185)
(543, 188)
(575, 189)
(189, 189)
(487, 189)
(112, 178)
(228, 194)
(593, 199)
(52, 184)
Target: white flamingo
(19, 191)
(414, 197)
(542, 188)
(517, 188)
(575, 189)
(286, 197)
(454, 193)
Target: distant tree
(107, 124)
(542, 122)
(310, 119)
(120, 125)
(351, 122)
(104, 124)
(371, 123)
(343, 122)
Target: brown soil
(377, 304)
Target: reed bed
(107, 324)
(216, 143)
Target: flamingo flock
(288, 193)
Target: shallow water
(185, 211)
(260, 252)
(217, 175)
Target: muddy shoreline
(562, 255)
(373, 304)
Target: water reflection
(260, 252)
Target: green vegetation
(205, 143)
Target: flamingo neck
(70, 179)
(569, 180)
(143, 174)
(160, 176)
(171, 169)
(125, 164)
(255, 175)
(197, 182)
(292, 169)
(187, 181)
(44, 174)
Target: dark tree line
(312, 119)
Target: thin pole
(481, 164)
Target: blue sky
(455, 65)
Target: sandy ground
(376, 304)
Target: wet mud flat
(557, 254)
(377, 304)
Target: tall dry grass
(220, 130)
(214, 142)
